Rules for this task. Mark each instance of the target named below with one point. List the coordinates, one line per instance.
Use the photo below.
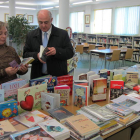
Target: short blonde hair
(2, 24)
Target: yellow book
(117, 77)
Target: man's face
(44, 22)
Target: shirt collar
(49, 31)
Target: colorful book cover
(6, 129)
(50, 101)
(116, 88)
(117, 77)
(80, 95)
(55, 129)
(10, 88)
(60, 113)
(132, 77)
(27, 60)
(99, 89)
(1, 95)
(34, 133)
(14, 64)
(30, 98)
(64, 91)
(51, 82)
(82, 76)
(8, 109)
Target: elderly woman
(7, 55)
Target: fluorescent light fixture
(48, 8)
(56, 6)
(1, 2)
(81, 2)
(25, 8)
(5, 6)
(22, 3)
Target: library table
(107, 52)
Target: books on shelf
(116, 88)
(49, 101)
(60, 114)
(34, 133)
(55, 129)
(99, 89)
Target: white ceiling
(39, 4)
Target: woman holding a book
(9, 59)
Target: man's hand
(11, 71)
(24, 68)
(51, 51)
(40, 59)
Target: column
(11, 8)
(63, 14)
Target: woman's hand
(11, 71)
(23, 68)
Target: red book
(137, 88)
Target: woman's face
(3, 35)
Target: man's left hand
(23, 68)
(52, 51)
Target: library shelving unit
(112, 40)
(91, 38)
(102, 40)
(74, 37)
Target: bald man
(59, 47)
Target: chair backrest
(79, 48)
(85, 44)
(113, 47)
(129, 54)
(101, 55)
(115, 55)
(101, 48)
(91, 47)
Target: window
(102, 21)
(77, 21)
(127, 20)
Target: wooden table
(107, 52)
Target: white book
(50, 101)
(41, 50)
(90, 73)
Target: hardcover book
(132, 77)
(50, 101)
(82, 76)
(89, 73)
(116, 88)
(60, 113)
(6, 128)
(34, 133)
(64, 91)
(55, 129)
(30, 98)
(99, 89)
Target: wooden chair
(91, 47)
(128, 55)
(79, 48)
(113, 47)
(115, 57)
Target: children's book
(34, 133)
(1, 95)
(27, 60)
(116, 88)
(60, 114)
(80, 95)
(30, 119)
(49, 101)
(66, 80)
(64, 91)
(55, 129)
(99, 89)
(30, 98)
(132, 77)
(10, 88)
(6, 128)
(8, 109)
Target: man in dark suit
(59, 47)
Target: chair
(79, 48)
(113, 47)
(91, 47)
(128, 55)
(115, 57)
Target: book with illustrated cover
(82, 76)
(60, 113)
(27, 61)
(6, 129)
(116, 88)
(30, 98)
(14, 64)
(82, 125)
(80, 95)
(64, 91)
(132, 77)
(8, 109)
(49, 101)
(117, 77)
(99, 89)
(55, 129)
(34, 133)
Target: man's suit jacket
(56, 64)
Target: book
(132, 77)
(1, 95)
(64, 91)
(82, 76)
(44, 57)
(8, 109)
(82, 125)
(55, 129)
(6, 128)
(49, 101)
(117, 77)
(14, 64)
(28, 60)
(30, 119)
(130, 85)
(30, 98)
(116, 88)
(89, 73)
(80, 95)
(99, 89)
(60, 114)
(34, 133)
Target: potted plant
(18, 27)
